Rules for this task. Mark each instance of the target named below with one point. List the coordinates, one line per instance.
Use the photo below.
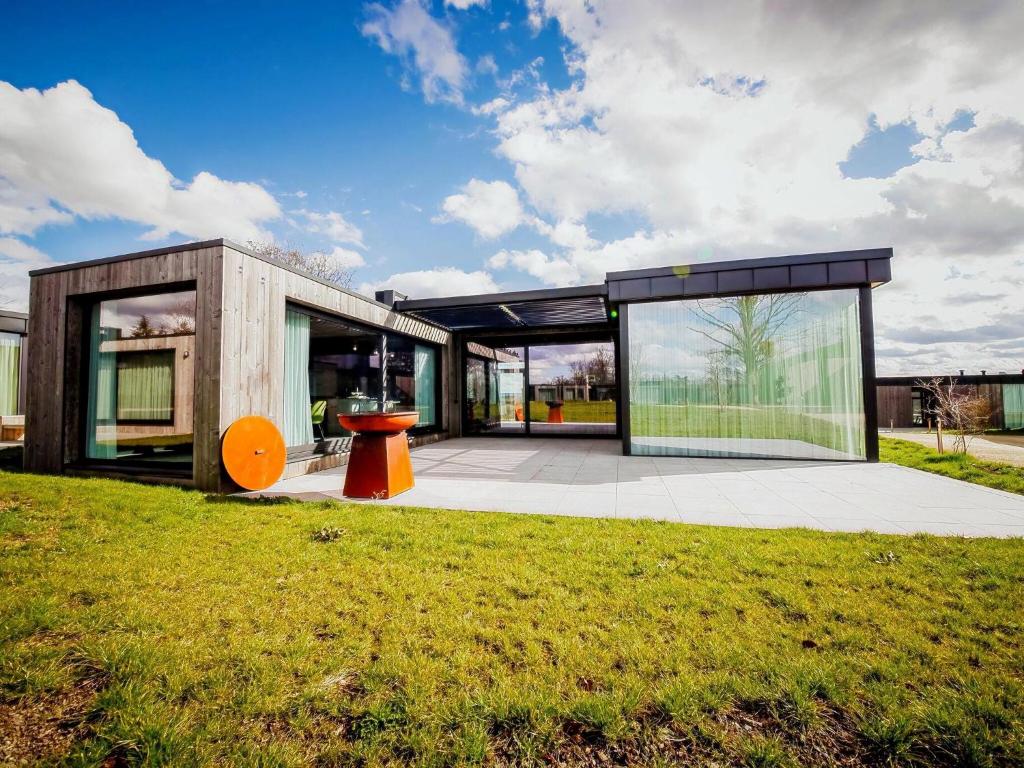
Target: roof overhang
(13, 322)
(544, 308)
(779, 274)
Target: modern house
(13, 344)
(139, 363)
(904, 401)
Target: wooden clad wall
(57, 328)
(255, 294)
(994, 394)
(239, 344)
(894, 407)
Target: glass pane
(511, 388)
(1013, 406)
(344, 377)
(411, 378)
(573, 389)
(475, 415)
(750, 376)
(139, 404)
(10, 366)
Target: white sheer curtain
(298, 423)
(425, 372)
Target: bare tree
(749, 336)
(318, 263)
(960, 408)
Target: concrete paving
(590, 478)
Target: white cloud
(63, 155)
(347, 258)
(724, 132)
(424, 43)
(428, 283)
(464, 4)
(16, 259)
(331, 225)
(491, 208)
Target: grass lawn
(735, 421)
(145, 625)
(589, 411)
(1005, 477)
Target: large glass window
(332, 367)
(10, 365)
(139, 404)
(748, 376)
(573, 389)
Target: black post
(867, 351)
(526, 388)
(623, 377)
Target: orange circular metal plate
(253, 452)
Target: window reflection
(140, 381)
(762, 376)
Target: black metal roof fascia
(805, 272)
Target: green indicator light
(614, 313)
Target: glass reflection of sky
(664, 337)
(549, 362)
(163, 309)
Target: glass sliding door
(411, 377)
(494, 390)
(333, 367)
(748, 376)
(573, 389)
(140, 380)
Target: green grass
(148, 626)
(592, 411)
(992, 474)
(737, 421)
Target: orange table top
(380, 423)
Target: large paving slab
(590, 478)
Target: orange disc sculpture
(253, 452)
(379, 466)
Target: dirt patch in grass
(41, 728)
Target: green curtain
(145, 386)
(425, 373)
(100, 437)
(298, 423)
(748, 376)
(10, 366)
(1013, 406)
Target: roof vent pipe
(961, 371)
(982, 371)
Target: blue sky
(454, 146)
(293, 96)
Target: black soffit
(519, 309)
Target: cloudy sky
(458, 146)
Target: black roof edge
(766, 261)
(505, 297)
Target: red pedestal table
(555, 412)
(379, 466)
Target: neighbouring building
(904, 401)
(140, 362)
(13, 345)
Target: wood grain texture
(894, 407)
(239, 344)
